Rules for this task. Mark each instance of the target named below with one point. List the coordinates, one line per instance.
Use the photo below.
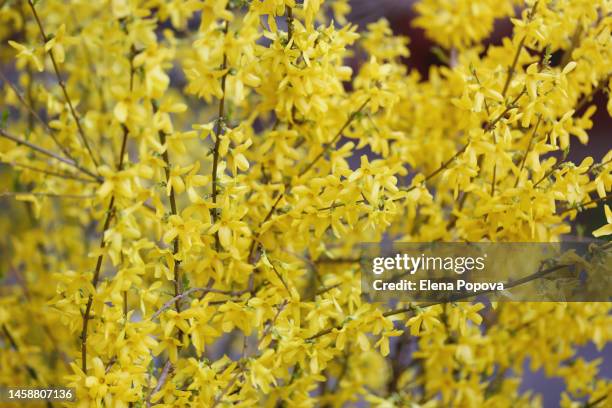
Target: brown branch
(109, 215)
(289, 11)
(511, 72)
(575, 42)
(581, 206)
(9, 136)
(454, 217)
(272, 323)
(280, 277)
(173, 209)
(330, 144)
(512, 68)
(527, 151)
(162, 380)
(62, 84)
(433, 174)
(595, 402)
(551, 171)
(46, 194)
(189, 292)
(219, 397)
(218, 134)
(35, 115)
(486, 104)
(48, 172)
(512, 105)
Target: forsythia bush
(188, 181)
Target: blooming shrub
(189, 180)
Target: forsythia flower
(184, 186)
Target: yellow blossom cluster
(185, 184)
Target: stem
(48, 172)
(509, 107)
(34, 114)
(575, 42)
(6, 135)
(439, 169)
(188, 292)
(219, 397)
(109, 215)
(176, 243)
(218, 134)
(512, 68)
(62, 85)
(595, 402)
(162, 380)
(45, 194)
(550, 172)
(518, 177)
(329, 145)
(289, 23)
(271, 325)
(581, 205)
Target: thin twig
(46, 194)
(7, 135)
(189, 292)
(109, 215)
(48, 172)
(581, 206)
(35, 115)
(527, 151)
(62, 84)
(512, 68)
(442, 167)
(270, 326)
(595, 402)
(173, 209)
(162, 380)
(512, 105)
(218, 134)
(551, 171)
(330, 144)
(280, 277)
(219, 397)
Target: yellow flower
(26, 55)
(606, 229)
(57, 42)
